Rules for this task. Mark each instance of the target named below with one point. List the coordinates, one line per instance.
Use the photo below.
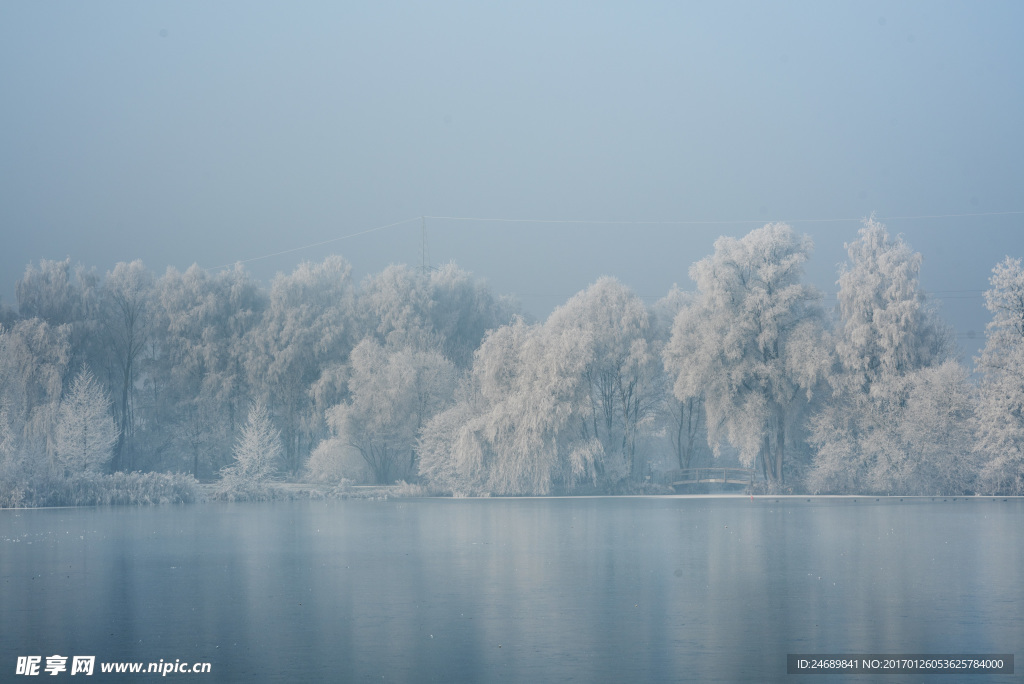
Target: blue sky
(199, 132)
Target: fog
(573, 164)
(189, 133)
(437, 283)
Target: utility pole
(424, 256)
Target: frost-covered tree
(462, 310)
(446, 309)
(256, 453)
(918, 440)
(56, 293)
(33, 362)
(751, 344)
(886, 333)
(450, 451)
(395, 307)
(306, 331)
(85, 433)
(1000, 417)
(394, 392)
(63, 295)
(683, 422)
(516, 425)
(886, 327)
(333, 460)
(552, 405)
(34, 358)
(197, 384)
(620, 376)
(126, 314)
(937, 426)
(48, 292)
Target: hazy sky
(213, 132)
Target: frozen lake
(517, 590)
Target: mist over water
(519, 590)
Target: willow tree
(553, 405)
(514, 429)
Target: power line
(424, 256)
(589, 222)
(930, 294)
(931, 216)
(483, 219)
(315, 244)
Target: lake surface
(517, 590)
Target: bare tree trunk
(123, 455)
(767, 459)
(780, 449)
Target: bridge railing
(740, 476)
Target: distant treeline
(429, 377)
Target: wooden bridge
(729, 476)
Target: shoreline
(379, 493)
